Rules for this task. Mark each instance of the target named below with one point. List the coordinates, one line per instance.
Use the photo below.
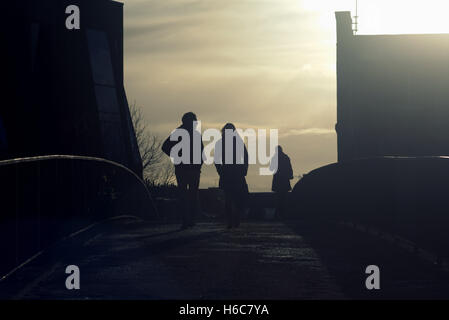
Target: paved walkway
(130, 259)
(144, 261)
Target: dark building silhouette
(393, 97)
(63, 107)
(64, 90)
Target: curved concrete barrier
(46, 198)
(404, 196)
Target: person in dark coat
(280, 163)
(188, 168)
(231, 162)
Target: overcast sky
(256, 63)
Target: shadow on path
(347, 252)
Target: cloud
(308, 131)
(259, 64)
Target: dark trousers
(188, 184)
(282, 198)
(234, 207)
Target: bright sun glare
(388, 16)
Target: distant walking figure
(231, 162)
(189, 169)
(281, 179)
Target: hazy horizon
(258, 64)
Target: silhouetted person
(281, 179)
(231, 162)
(187, 166)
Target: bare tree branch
(157, 169)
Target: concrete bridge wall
(46, 198)
(407, 197)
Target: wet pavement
(130, 259)
(136, 260)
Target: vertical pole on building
(356, 18)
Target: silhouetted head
(279, 149)
(188, 119)
(228, 126)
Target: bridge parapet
(403, 196)
(46, 198)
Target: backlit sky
(256, 63)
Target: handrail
(75, 157)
